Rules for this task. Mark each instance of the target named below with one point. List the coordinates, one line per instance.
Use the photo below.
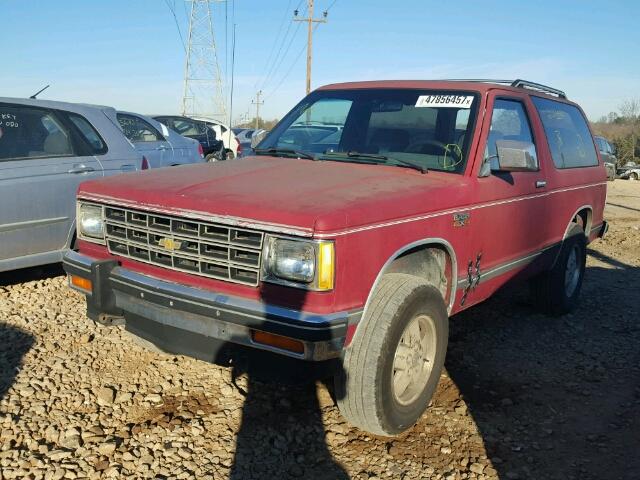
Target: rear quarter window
(89, 134)
(568, 135)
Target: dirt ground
(524, 396)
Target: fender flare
(587, 228)
(425, 241)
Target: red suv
(371, 213)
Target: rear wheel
(633, 176)
(557, 291)
(393, 365)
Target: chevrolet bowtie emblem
(170, 244)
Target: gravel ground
(524, 396)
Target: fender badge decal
(460, 219)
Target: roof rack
(518, 83)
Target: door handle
(162, 147)
(128, 168)
(541, 183)
(80, 168)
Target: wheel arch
(584, 217)
(420, 248)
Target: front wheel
(393, 365)
(634, 176)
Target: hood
(309, 196)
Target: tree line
(622, 129)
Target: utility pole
(310, 20)
(257, 103)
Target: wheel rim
(572, 272)
(414, 359)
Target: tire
(230, 155)
(211, 158)
(557, 291)
(633, 176)
(364, 389)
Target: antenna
(203, 87)
(39, 92)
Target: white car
(224, 133)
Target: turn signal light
(81, 283)
(277, 341)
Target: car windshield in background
(419, 129)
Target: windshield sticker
(445, 101)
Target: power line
(295, 61)
(278, 63)
(277, 60)
(175, 19)
(273, 47)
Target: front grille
(207, 249)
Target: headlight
(300, 263)
(90, 221)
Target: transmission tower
(203, 85)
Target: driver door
(508, 219)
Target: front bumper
(191, 321)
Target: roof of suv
(477, 85)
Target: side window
(601, 145)
(609, 148)
(509, 124)
(27, 132)
(137, 130)
(568, 135)
(91, 136)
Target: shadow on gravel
(14, 344)
(281, 434)
(555, 398)
(15, 277)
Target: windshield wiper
(376, 156)
(283, 151)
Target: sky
(128, 53)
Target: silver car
(161, 146)
(47, 149)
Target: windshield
(422, 129)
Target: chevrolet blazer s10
(371, 213)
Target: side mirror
(165, 130)
(257, 137)
(515, 156)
